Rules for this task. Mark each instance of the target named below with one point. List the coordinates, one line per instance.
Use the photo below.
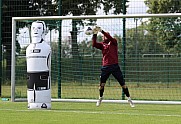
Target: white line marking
(96, 112)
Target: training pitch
(88, 113)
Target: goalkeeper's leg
(126, 92)
(105, 73)
(101, 92)
(118, 75)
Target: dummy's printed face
(37, 29)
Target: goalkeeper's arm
(94, 39)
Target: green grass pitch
(88, 113)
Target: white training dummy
(38, 56)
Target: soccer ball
(89, 31)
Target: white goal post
(13, 55)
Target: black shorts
(38, 81)
(115, 70)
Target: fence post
(59, 50)
(0, 46)
(124, 44)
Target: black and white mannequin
(38, 56)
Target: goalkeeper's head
(104, 37)
(38, 31)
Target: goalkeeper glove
(98, 28)
(95, 31)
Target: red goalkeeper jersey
(109, 49)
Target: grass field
(88, 113)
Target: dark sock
(101, 91)
(126, 92)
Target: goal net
(149, 55)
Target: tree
(167, 30)
(87, 7)
(139, 42)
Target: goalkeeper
(109, 48)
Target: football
(89, 31)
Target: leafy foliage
(167, 30)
